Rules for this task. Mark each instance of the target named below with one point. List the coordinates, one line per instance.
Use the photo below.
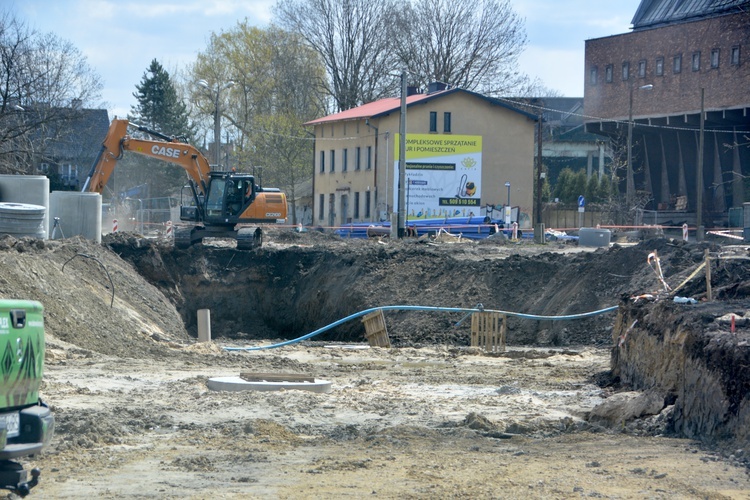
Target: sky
(120, 38)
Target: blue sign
(581, 201)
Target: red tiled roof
(373, 108)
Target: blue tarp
(476, 227)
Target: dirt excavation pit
(589, 408)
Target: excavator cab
(229, 194)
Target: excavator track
(183, 237)
(249, 238)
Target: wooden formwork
(375, 330)
(488, 331)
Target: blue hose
(421, 308)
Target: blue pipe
(420, 308)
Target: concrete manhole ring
(237, 384)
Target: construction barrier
(114, 225)
(684, 232)
(169, 228)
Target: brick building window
(625, 71)
(446, 121)
(659, 66)
(358, 158)
(735, 56)
(356, 204)
(715, 58)
(593, 75)
(367, 204)
(344, 160)
(677, 64)
(642, 68)
(696, 61)
(608, 73)
(333, 160)
(322, 205)
(322, 162)
(369, 157)
(433, 121)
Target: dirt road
(435, 422)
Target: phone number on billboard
(459, 202)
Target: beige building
(465, 151)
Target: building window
(344, 160)
(446, 121)
(677, 64)
(642, 68)
(367, 204)
(696, 61)
(369, 157)
(593, 76)
(358, 158)
(735, 56)
(356, 205)
(715, 58)
(608, 73)
(659, 66)
(433, 121)
(333, 160)
(322, 204)
(322, 162)
(625, 71)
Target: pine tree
(159, 109)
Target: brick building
(680, 57)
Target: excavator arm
(118, 141)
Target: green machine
(26, 423)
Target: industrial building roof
(653, 13)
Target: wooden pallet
(488, 331)
(375, 329)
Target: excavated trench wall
(686, 354)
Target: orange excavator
(215, 204)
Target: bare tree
(44, 82)
(470, 44)
(276, 86)
(352, 38)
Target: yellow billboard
(443, 175)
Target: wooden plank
(276, 377)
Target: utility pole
(402, 161)
(539, 175)
(217, 115)
(699, 178)
(539, 226)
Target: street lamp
(507, 184)
(217, 115)
(630, 183)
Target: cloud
(561, 70)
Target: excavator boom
(118, 141)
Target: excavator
(215, 204)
